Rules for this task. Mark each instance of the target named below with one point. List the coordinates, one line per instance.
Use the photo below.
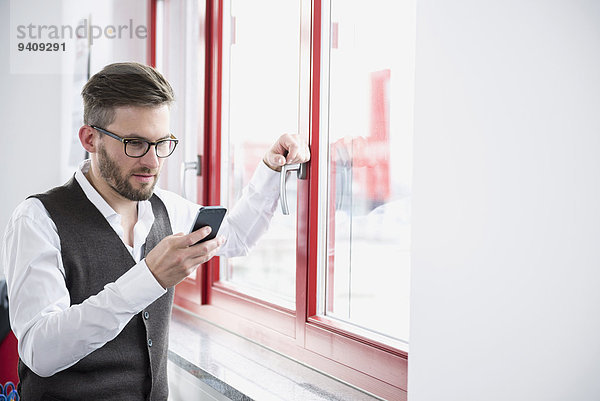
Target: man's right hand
(175, 257)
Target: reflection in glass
(366, 274)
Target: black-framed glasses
(138, 147)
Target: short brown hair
(123, 84)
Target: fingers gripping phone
(209, 216)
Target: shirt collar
(91, 193)
(145, 213)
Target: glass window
(366, 131)
(341, 74)
(260, 102)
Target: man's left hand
(289, 149)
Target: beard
(119, 181)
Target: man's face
(133, 178)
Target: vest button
(149, 342)
(146, 315)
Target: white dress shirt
(52, 334)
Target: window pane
(369, 114)
(260, 102)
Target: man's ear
(87, 137)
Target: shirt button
(146, 315)
(149, 342)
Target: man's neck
(119, 204)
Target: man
(91, 265)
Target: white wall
(30, 124)
(506, 206)
(36, 109)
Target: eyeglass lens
(138, 148)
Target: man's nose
(150, 159)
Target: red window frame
(151, 45)
(376, 365)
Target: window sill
(240, 369)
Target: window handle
(300, 169)
(343, 174)
(186, 166)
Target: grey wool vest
(133, 366)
